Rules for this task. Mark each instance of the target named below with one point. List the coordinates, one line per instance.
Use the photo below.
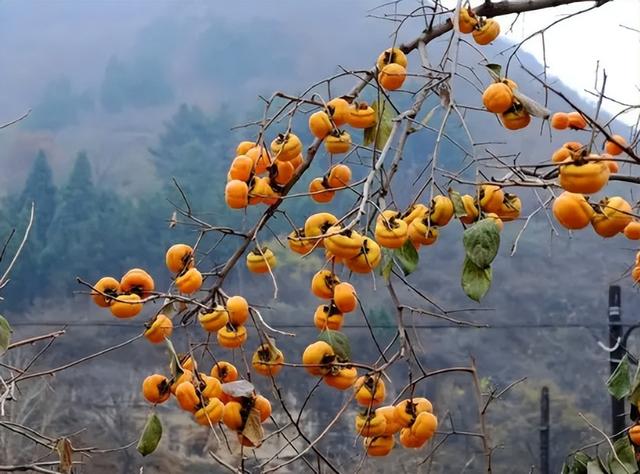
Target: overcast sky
(38, 47)
(574, 46)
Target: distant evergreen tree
(77, 197)
(73, 235)
(196, 150)
(39, 189)
(185, 144)
(95, 232)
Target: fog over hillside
(103, 76)
(85, 70)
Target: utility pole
(615, 340)
(544, 431)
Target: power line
(502, 326)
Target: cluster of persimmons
(412, 418)
(203, 395)
(500, 99)
(483, 30)
(196, 392)
(583, 173)
(123, 297)
(418, 224)
(258, 175)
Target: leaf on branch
(580, 462)
(5, 334)
(634, 392)
(339, 342)
(239, 388)
(386, 264)
(626, 455)
(578, 465)
(253, 428)
(427, 118)
(444, 92)
(619, 384)
(486, 384)
(65, 455)
(531, 106)
(174, 360)
(594, 467)
(273, 349)
(169, 308)
(458, 206)
(495, 71)
(378, 134)
(481, 242)
(151, 435)
(476, 281)
(407, 257)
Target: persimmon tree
(374, 239)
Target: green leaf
(386, 264)
(458, 206)
(379, 133)
(339, 342)
(580, 462)
(594, 467)
(603, 466)
(475, 280)
(619, 384)
(407, 257)
(481, 242)
(151, 435)
(5, 334)
(486, 384)
(627, 457)
(634, 396)
(495, 71)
